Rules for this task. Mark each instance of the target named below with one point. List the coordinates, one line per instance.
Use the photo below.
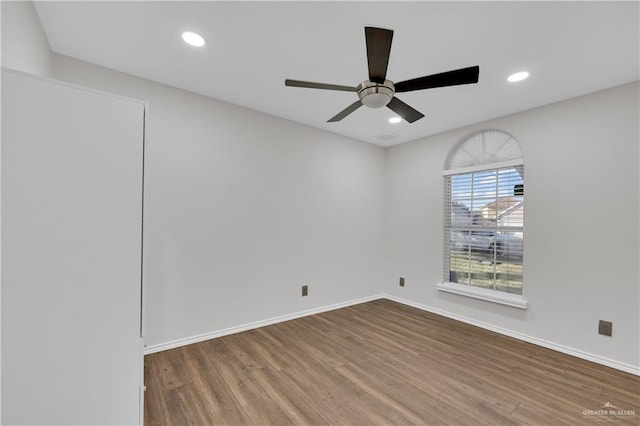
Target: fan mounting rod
(376, 95)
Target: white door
(71, 254)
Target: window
(484, 212)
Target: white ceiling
(570, 48)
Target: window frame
(467, 289)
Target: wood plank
(171, 368)
(156, 411)
(378, 363)
(300, 408)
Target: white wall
(71, 239)
(24, 45)
(581, 224)
(242, 208)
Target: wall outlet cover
(605, 328)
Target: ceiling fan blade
(312, 85)
(449, 78)
(378, 51)
(403, 110)
(348, 110)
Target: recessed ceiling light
(519, 76)
(193, 39)
(395, 120)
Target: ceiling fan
(378, 91)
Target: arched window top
(488, 147)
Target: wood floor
(380, 363)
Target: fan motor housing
(376, 95)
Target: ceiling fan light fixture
(376, 100)
(193, 39)
(375, 95)
(518, 76)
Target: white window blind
(483, 227)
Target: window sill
(513, 300)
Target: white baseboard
(540, 342)
(520, 336)
(257, 324)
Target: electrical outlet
(605, 327)
(401, 282)
(305, 290)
